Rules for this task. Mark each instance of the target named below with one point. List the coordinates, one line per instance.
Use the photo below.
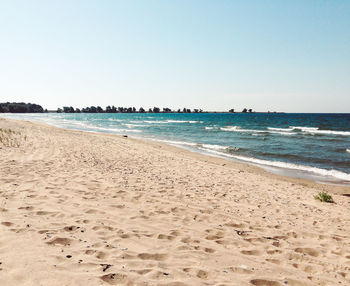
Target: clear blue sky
(283, 55)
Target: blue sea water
(314, 146)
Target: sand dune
(91, 209)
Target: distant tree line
(20, 107)
(245, 110)
(113, 109)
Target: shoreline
(303, 172)
(219, 160)
(84, 208)
(253, 167)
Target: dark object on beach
(69, 256)
(125, 136)
(20, 107)
(105, 266)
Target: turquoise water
(315, 146)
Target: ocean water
(313, 146)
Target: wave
(132, 125)
(213, 146)
(280, 129)
(156, 121)
(113, 119)
(205, 147)
(316, 130)
(284, 165)
(184, 121)
(88, 127)
(292, 130)
(173, 142)
(254, 131)
(171, 121)
(239, 129)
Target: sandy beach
(81, 208)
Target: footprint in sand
(114, 278)
(202, 274)
(156, 256)
(42, 213)
(263, 282)
(7, 223)
(142, 271)
(209, 250)
(60, 241)
(214, 237)
(251, 252)
(274, 261)
(101, 255)
(308, 251)
(164, 236)
(274, 251)
(27, 208)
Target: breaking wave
(284, 165)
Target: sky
(291, 56)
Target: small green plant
(324, 197)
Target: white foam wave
(214, 147)
(304, 128)
(176, 143)
(132, 125)
(315, 130)
(177, 121)
(278, 164)
(287, 131)
(183, 121)
(280, 129)
(171, 121)
(113, 119)
(237, 129)
(156, 121)
(254, 131)
(282, 133)
(191, 144)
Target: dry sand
(92, 209)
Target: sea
(309, 146)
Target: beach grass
(324, 197)
(8, 137)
